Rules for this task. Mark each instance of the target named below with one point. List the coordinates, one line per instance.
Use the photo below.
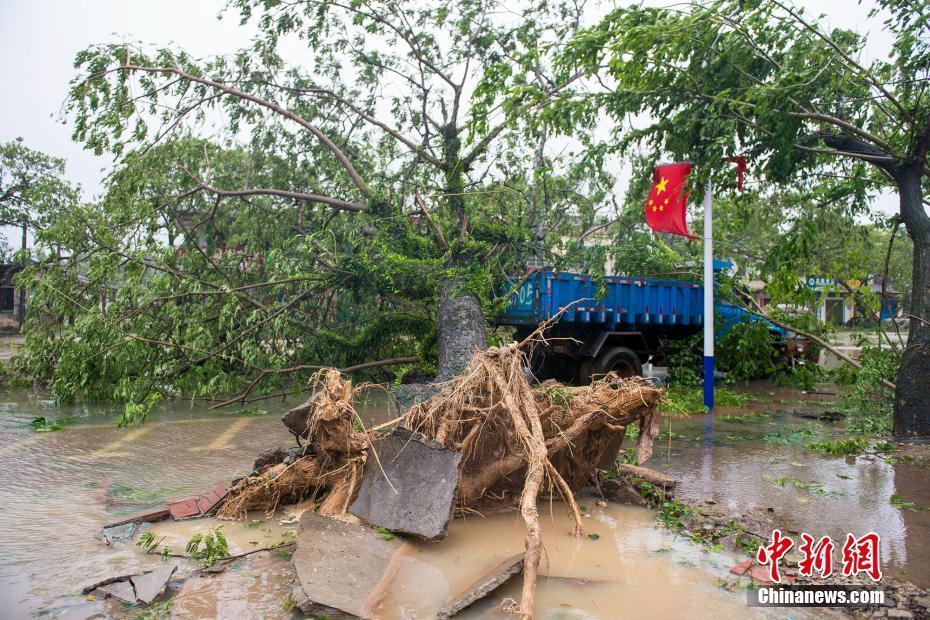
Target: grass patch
(841, 447)
(685, 400)
(795, 436)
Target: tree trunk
(912, 396)
(461, 329)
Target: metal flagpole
(708, 298)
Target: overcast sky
(39, 38)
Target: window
(7, 297)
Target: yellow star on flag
(660, 186)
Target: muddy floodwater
(758, 457)
(60, 487)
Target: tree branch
(270, 105)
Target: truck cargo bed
(629, 303)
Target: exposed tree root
(330, 470)
(515, 440)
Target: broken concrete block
(131, 589)
(296, 419)
(269, 457)
(342, 566)
(117, 533)
(149, 585)
(121, 590)
(417, 496)
(483, 586)
(273, 456)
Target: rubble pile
(486, 439)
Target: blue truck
(613, 323)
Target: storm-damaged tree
(761, 78)
(394, 176)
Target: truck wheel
(584, 369)
(620, 360)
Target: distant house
(10, 312)
(836, 306)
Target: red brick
(761, 576)
(184, 509)
(209, 501)
(741, 568)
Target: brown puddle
(59, 488)
(631, 570)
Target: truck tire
(620, 360)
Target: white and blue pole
(708, 298)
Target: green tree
(265, 219)
(762, 78)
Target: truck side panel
(629, 303)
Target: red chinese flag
(665, 206)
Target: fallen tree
(516, 443)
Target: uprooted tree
(515, 441)
(761, 78)
(357, 210)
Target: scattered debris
(342, 568)
(628, 485)
(412, 488)
(273, 456)
(121, 590)
(132, 589)
(486, 584)
(145, 517)
(149, 585)
(826, 416)
(510, 441)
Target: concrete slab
(117, 533)
(483, 586)
(417, 496)
(149, 585)
(342, 566)
(121, 590)
(296, 419)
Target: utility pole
(21, 310)
(708, 298)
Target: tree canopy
(265, 219)
(762, 78)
